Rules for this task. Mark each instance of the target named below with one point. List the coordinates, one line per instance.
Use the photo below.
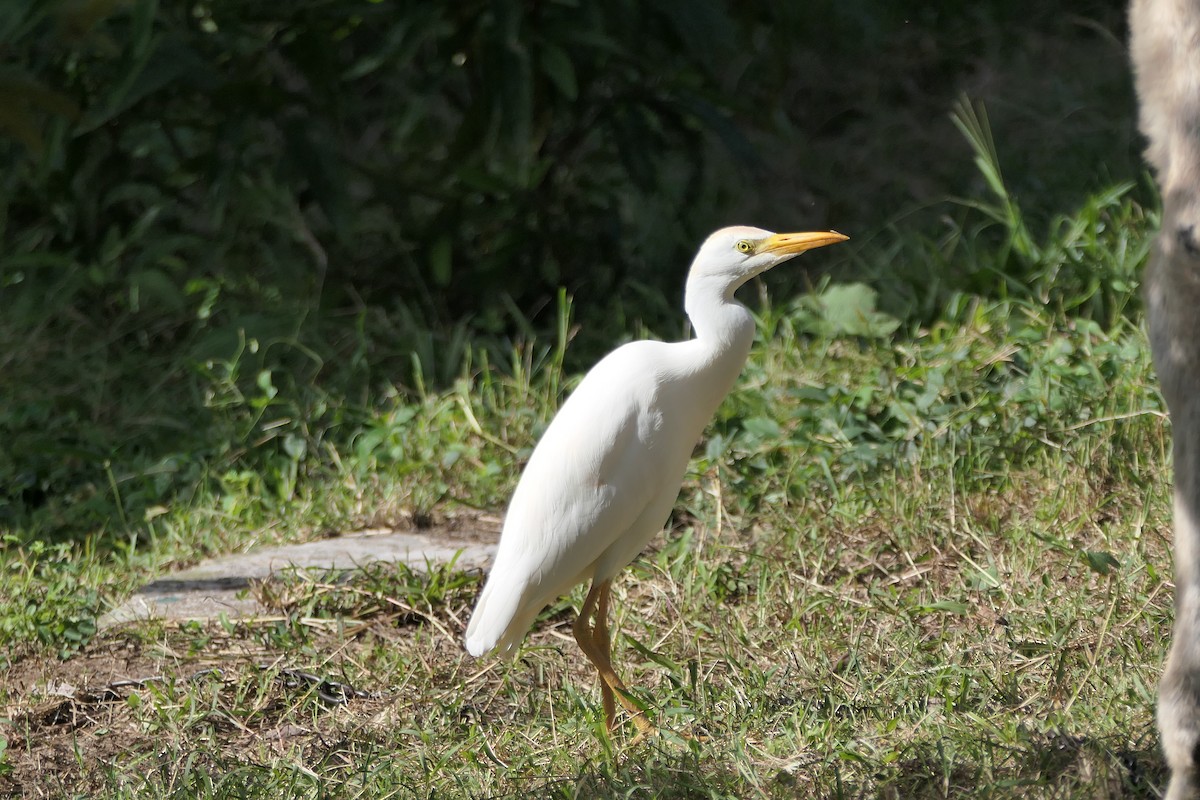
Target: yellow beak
(790, 244)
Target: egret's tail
(511, 600)
(497, 621)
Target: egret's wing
(590, 477)
(583, 487)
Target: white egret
(604, 477)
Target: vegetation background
(274, 270)
(372, 190)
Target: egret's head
(739, 253)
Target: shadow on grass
(1057, 765)
(1045, 766)
(661, 771)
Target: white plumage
(604, 477)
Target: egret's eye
(744, 246)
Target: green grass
(912, 559)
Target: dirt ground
(72, 719)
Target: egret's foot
(638, 717)
(645, 728)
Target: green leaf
(845, 310)
(1100, 561)
(265, 384)
(850, 309)
(946, 607)
(154, 291)
(558, 68)
(657, 658)
(295, 446)
(169, 60)
(714, 448)
(762, 428)
(441, 261)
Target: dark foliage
(226, 227)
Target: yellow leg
(584, 634)
(596, 644)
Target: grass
(910, 561)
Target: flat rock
(219, 586)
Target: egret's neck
(724, 328)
